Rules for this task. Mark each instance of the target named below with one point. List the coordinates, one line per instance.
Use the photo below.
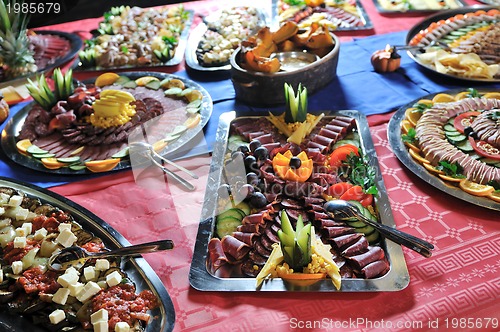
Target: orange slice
(449, 178)
(406, 125)
(194, 95)
(432, 169)
(23, 145)
(418, 157)
(462, 95)
(494, 196)
(412, 147)
(77, 151)
(193, 121)
(492, 95)
(443, 98)
(413, 115)
(106, 79)
(475, 189)
(425, 101)
(302, 279)
(142, 81)
(52, 163)
(105, 165)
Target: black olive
(254, 145)
(258, 200)
(261, 153)
(295, 163)
(252, 179)
(243, 148)
(468, 131)
(251, 163)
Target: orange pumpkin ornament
(384, 61)
(4, 109)
(288, 167)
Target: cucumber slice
(173, 92)
(344, 142)
(122, 153)
(365, 230)
(43, 155)
(465, 146)
(234, 213)
(285, 239)
(122, 80)
(373, 237)
(452, 133)
(474, 155)
(244, 207)
(33, 149)
(226, 226)
(304, 238)
(130, 84)
(77, 167)
(69, 160)
(451, 122)
(153, 85)
(356, 224)
(490, 161)
(448, 127)
(457, 139)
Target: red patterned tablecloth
(458, 289)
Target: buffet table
(457, 289)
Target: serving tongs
(77, 256)
(148, 150)
(343, 210)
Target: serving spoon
(344, 210)
(75, 256)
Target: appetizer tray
(416, 6)
(49, 56)
(156, 43)
(401, 122)
(343, 16)
(450, 28)
(175, 142)
(137, 270)
(396, 278)
(225, 30)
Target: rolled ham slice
(216, 253)
(234, 247)
(373, 254)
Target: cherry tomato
(340, 154)
(356, 193)
(464, 120)
(338, 189)
(485, 149)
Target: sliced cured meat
(257, 218)
(374, 269)
(234, 247)
(335, 231)
(256, 258)
(250, 269)
(356, 248)
(249, 228)
(343, 241)
(263, 251)
(247, 238)
(373, 254)
(216, 253)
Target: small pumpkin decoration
(4, 109)
(385, 61)
(293, 168)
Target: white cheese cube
(20, 231)
(114, 278)
(74, 289)
(28, 226)
(40, 234)
(2, 211)
(19, 242)
(90, 289)
(101, 264)
(72, 270)
(57, 316)
(122, 327)
(101, 326)
(66, 238)
(64, 226)
(22, 214)
(15, 200)
(17, 267)
(89, 273)
(99, 315)
(4, 198)
(1, 275)
(68, 279)
(61, 296)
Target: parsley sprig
(410, 137)
(421, 107)
(361, 173)
(473, 93)
(453, 170)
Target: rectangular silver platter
(396, 279)
(382, 10)
(138, 270)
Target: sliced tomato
(338, 189)
(355, 193)
(485, 149)
(340, 154)
(464, 120)
(367, 200)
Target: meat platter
(177, 120)
(239, 274)
(118, 43)
(416, 6)
(212, 42)
(458, 44)
(337, 16)
(87, 227)
(466, 165)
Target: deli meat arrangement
(266, 176)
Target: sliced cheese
(57, 316)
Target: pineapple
(16, 58)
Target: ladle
(343, 210)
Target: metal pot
(263, 89)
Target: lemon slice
(443, 98)
(23, 145)
(495, 196)
(193, 121)
(475, 189)
(413, 115)
(492, 95)
(462, 95)
(106, 79)
(412, 147)
(449, 178)
(142, 81)
(406, 125)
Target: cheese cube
(22, 214)
(19, 242)
(74, 289)
(101, 264)
(114, 278)
(122, 327)
(2, 211)
(68, 279)
(15, 200)
(20, 231)
(28, 226)
(101, 326)
(57, 316)
(89, 273)
(4, 198)
(40, 234)
(72, 270)
(90, 289)
(17, 267)
(61, 296)
(64, 226)
(66, 238)
(1, 275)
(100, 315)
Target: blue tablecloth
(357, 87)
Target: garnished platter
(119, 43)
(180, 111)
(460, 167)
(82, 221)
(212, 42)
(416, 6)
(337, 16)
(458, 44)
(210, 271)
